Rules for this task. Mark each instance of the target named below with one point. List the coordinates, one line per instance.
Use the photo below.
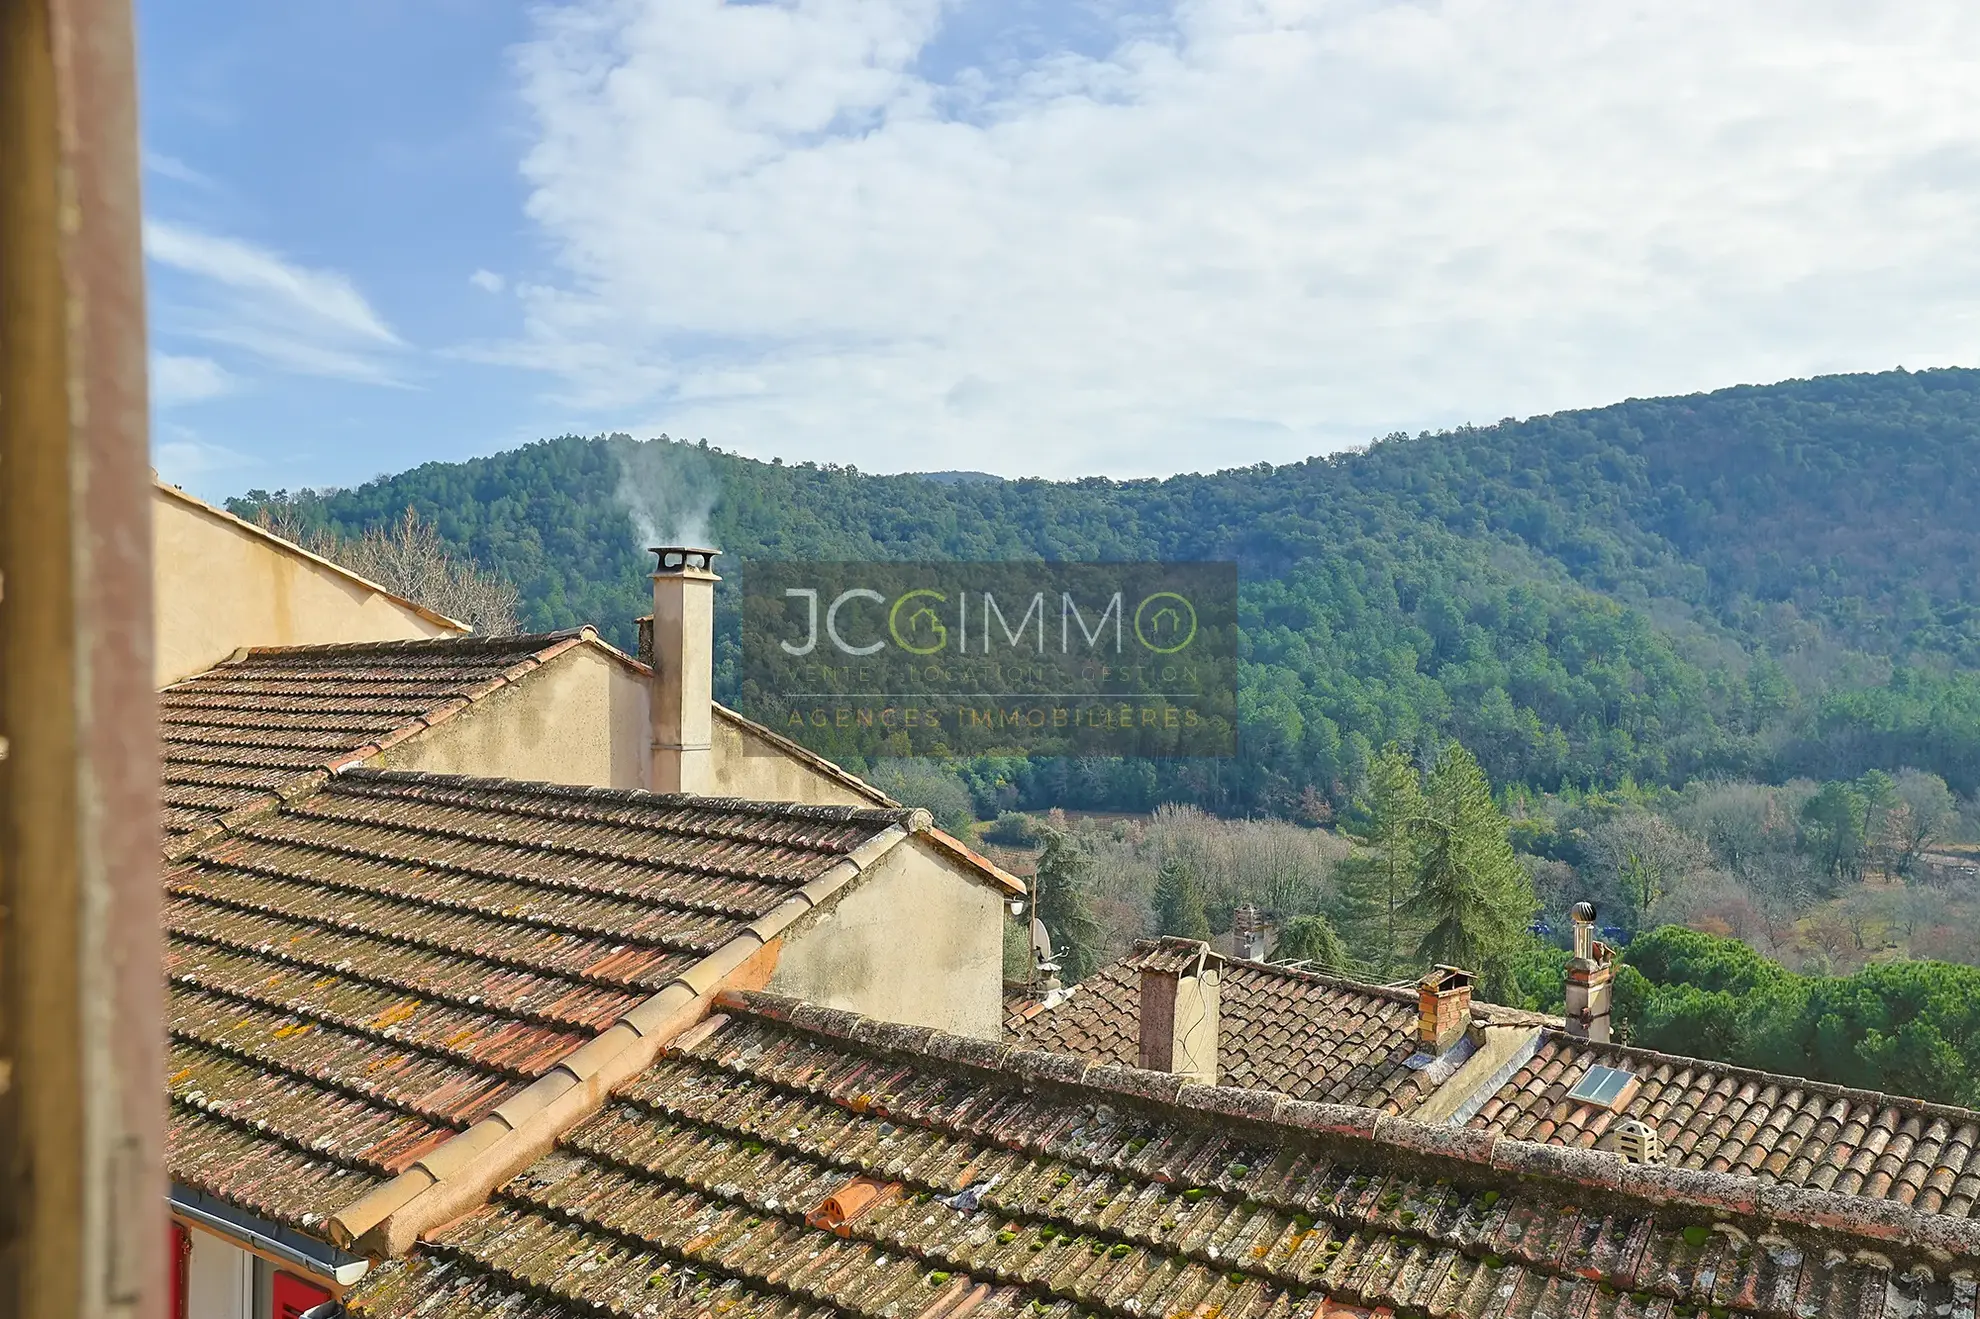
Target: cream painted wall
(579, 719)
(582, 718)
(918, 940)
(754, 767)
(218, 585)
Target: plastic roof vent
(1605, 1087)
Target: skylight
(1602, 1086)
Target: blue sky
(1035, 238)
(372, 143)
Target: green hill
(1760, 581)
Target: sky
(1033, 237)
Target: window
(1605, 1087)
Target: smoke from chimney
(668, 488)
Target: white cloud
(487, 281)
(324, 296)
(176, 380)
(171, 167)
(184, 459)
(1260, 229)
(292, 317)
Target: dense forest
(1712, 661)
(1762, 583)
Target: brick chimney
(1443, 1009)
(1589, 975)
(683, 658)
(1180, 1017)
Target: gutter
(463, 1172)
(265, 1238)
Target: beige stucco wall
(219, 585)
(583, 719)
(917, 940)
(753, 767)
(580, 719)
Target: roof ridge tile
(470, 643)
(912, 819)
(1704, 1193)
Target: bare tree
(411, 560)
(1923, 813)
(1646, 855)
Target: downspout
(460, 1174)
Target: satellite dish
(1041, 942)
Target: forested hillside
(1761, 582)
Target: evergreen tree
(1833, 824)
(1378, 881)
(1179, 902)
(1061, 900)
(1313, 940)
(1476, 896)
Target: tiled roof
(792, 1160)
(1302, 1033)
(363, 972)
(1776, 1128)
(272, 722)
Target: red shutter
(293, 1296)
(181, 1248)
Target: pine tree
(1476, 896)
(1179, 903)
(1378, 881)
(1312, 939)
(1061, 902)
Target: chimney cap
(1445, 979)
(1583, 913)
(678, 560)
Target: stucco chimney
(1180, 1013)
(683, 658)
(1248, 934)
(1443, 1009)
(1590, 973)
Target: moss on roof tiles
(358, 975)
(1041, 1197)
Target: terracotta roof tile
(1776, 1129)
(794, 1160)
(261, 725)
(360, 974)
(1301, 1033)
